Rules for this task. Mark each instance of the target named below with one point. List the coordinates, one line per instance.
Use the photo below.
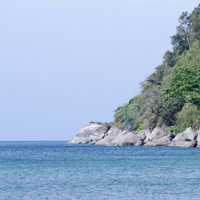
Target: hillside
(171, 95)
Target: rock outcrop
(111, 136)
(198, 139)
(90, 133)
(187, 138)
(127, 139)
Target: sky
(64, 63)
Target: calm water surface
(54, 170)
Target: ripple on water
(54, 170)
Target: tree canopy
(172, 92)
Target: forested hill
(171, 95)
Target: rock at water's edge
(91, 133)
(111, 136)
(128, 139)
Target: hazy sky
(64, 63)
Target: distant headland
(167, 110)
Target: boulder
(151, 144)
(105, 141)
(143, 134)
(148, 137)
(184, 144)
(171, 136)
(113, 130)
(78, 140)
(164, 141)
(91, 133)
(111, 136)
(188, 135)
(156, 134)
(198, 139)
(191, 134)
(128, 139)
(112, 133)
(128, 128)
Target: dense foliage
(171, 95)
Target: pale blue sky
(64, 63)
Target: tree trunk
(187, 36)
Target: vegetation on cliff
(171, 95)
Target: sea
(55, 170)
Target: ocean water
(55, 170)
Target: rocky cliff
(111, 136)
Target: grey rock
(128, 128)
(164, 141)
(198, 139)
(188, 135)
(105, 141)
(139, 143)
(184, 144)
(171, 135)
(151, 144)
(113, 130)
(129, 138)
(91, 133)
(148, 137)
(111, 136)
(191, 134)
(143, 134)
(112, 133)
(78, 140)
(198, 132)
(157, 133)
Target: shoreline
(95, 134)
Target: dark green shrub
(189, 116)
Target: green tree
(181, 41)
(185, 84)
(168, 59)
(195, 22)
(184, 28)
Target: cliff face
(111, 136)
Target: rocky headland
(170, 96)
(95, 134)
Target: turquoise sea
(55, 170)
